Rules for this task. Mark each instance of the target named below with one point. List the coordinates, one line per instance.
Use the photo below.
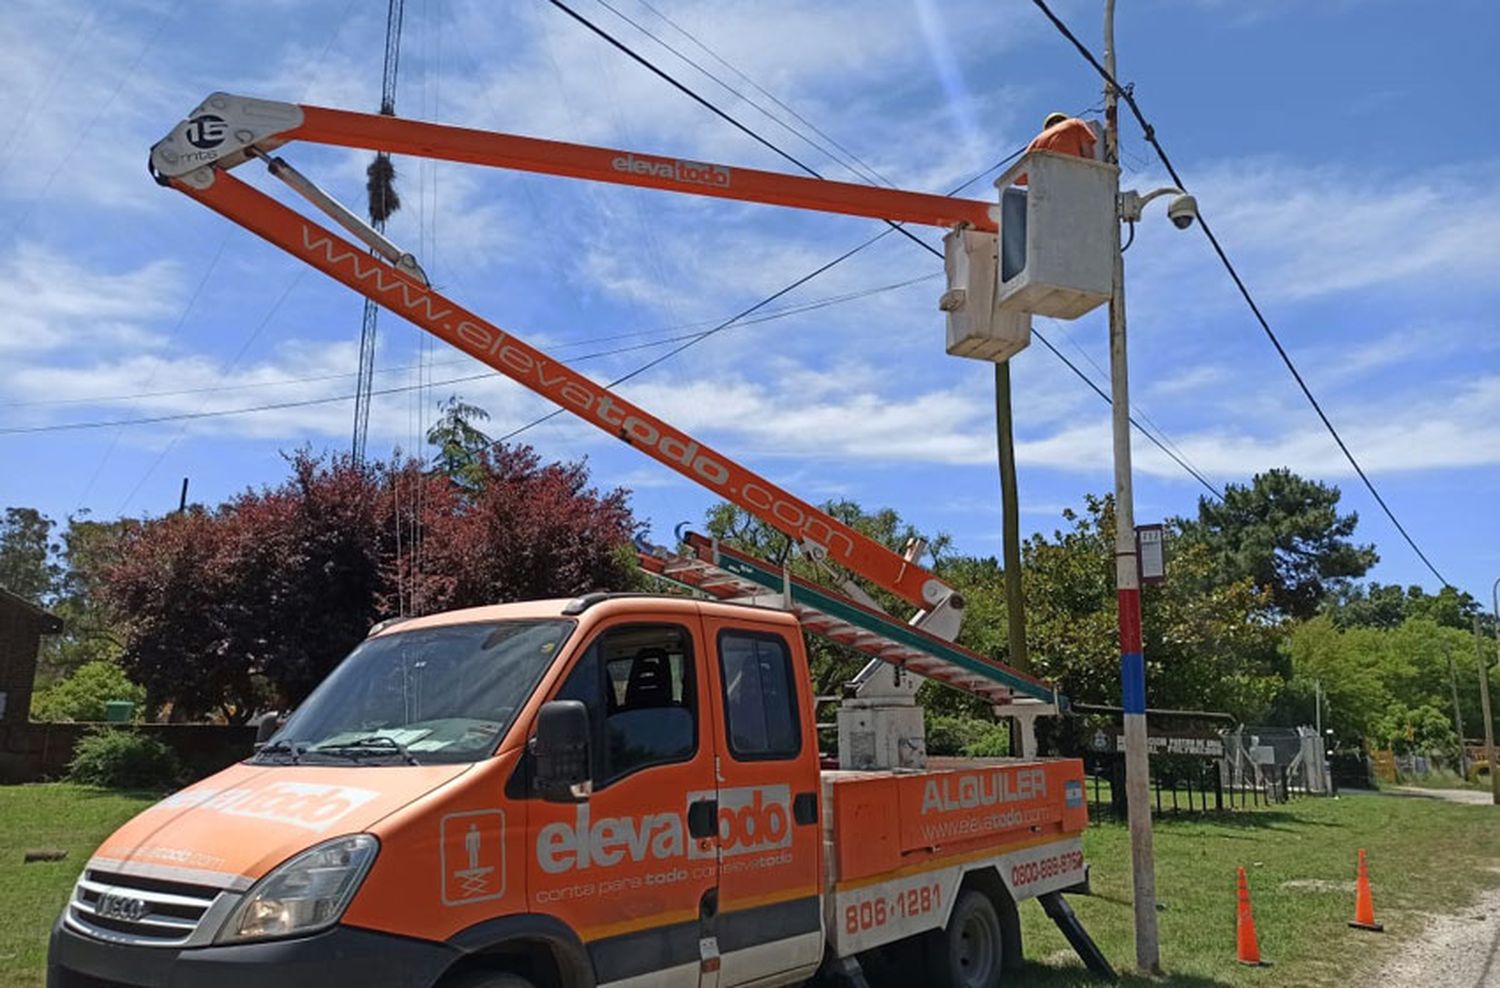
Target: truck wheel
(967, 952)
(488, 979)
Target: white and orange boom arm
(228, 130)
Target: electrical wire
(866, 175)
(1133, 420)
(769, 315)
(769, 95)
(731, 321)
(234, 362)
(182, 317)
(896, 227)
(1135, 409)
(1149, 133)
(430, 384)
(168, 16)
(716, 111)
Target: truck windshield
(444, 694)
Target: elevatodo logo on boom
(572, 391)
(675, 169)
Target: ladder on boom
(727, 574)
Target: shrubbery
(123, 759)
(968, 736)
(82, 696)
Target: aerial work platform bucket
(1057, 235)
(975, 327)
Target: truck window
(760, 701)
(439, 694)
(637, 682)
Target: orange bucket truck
(611, 790)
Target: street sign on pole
(1151, 548)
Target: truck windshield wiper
(292, 749)
(365, 745)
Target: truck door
(633, 868)
(770, 841)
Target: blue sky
(1338, 148)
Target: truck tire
(488, 979)
(969, 951)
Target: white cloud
(80, 136)
(51, 302)
(1302, 233)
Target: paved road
(1474, 797)
(1457, 951)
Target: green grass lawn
(70, 818)
(1425, 856)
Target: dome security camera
(1182, 211)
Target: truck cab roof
(596, 605)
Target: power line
(1133, 420)
(896, 227)
(732, 320)
(1149, 133)
(1186, 462)
(769, 315)
(866, 175)
(769, 95)
(716, 111)
(430, 384)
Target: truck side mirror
(266, 728)
(560, 750)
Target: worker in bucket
(1061, 134)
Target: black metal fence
(1181, 786)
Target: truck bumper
(342, 955)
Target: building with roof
(22, 625)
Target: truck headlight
(304, 894)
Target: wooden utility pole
(1484, 708)
(1127, 569)
(1458, 716)
(1010, 507)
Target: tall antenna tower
(381, 186)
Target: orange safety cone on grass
(1364, 902)
(1249, 947)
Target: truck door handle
(805, 808)
(703, 818)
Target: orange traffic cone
(1364, 902)
(1249, 948)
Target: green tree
(1286, 534)
(1387, 605)
(460, 443)
(91, 630)
(1420, 729)
(1375, 677)
(28, 566)
(1210, 643)
(82, 696)
(832, 664)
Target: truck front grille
(146, 911)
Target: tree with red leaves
(250, 605)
